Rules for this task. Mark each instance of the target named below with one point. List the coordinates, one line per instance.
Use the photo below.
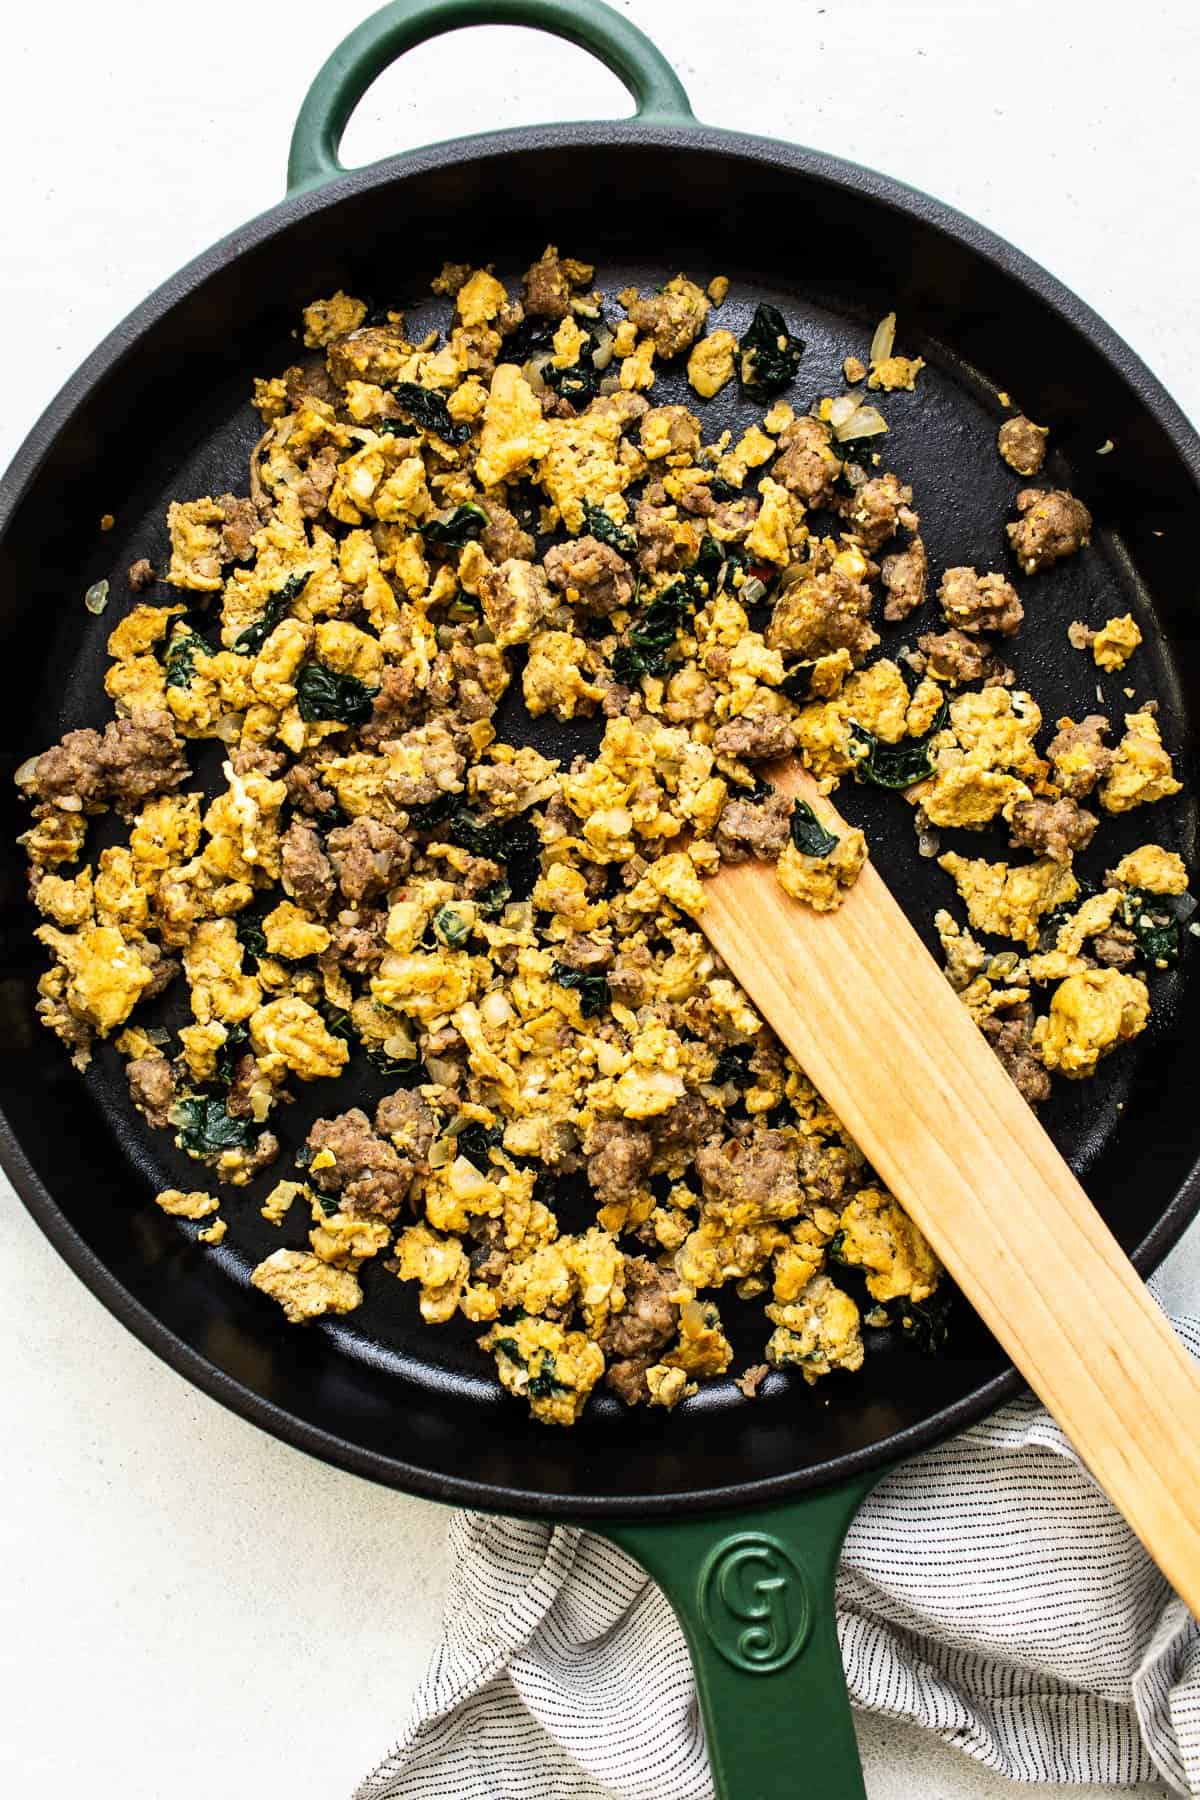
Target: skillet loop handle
(755, 1598)
(383, 38)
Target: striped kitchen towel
(987, 1591)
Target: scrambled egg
(1141, 769)
(1115, 642)
(1090, 1014)
(378, 878)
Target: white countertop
(186, 1606)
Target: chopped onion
(229, 729)
(883, 343)
(928, 843)
(1003, 965)
(495, 1009)
(602, 355)
(441, 1153)
(441, 1070)
(399, 1046)
(791, 575)
(24, 774)
(864, 421)
(1186, 905)
(96, 598)
(752, 591)
(844, 407)
(1106, 448)
(611, 384)
(533, 373)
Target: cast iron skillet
(739, 1508)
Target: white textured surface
(187, 1607)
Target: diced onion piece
(24, 774)
(96, 598)
(928, 843)
(533, 371)
(752, 591)
(884, 340)
(864, 422)
(495, 1009)
(602, 355)
(442, 1071)
(843, 408)
(611, 384)
(441, 1153)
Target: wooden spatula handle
(869, 1016)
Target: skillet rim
(808, 164)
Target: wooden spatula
(871, 1019)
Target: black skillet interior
(169, 417)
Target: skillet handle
(755, 1599)
(383, 38)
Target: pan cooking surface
(1121, 1131)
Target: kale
(923, 1323)
(328, 1203)
(512, 842)
(645, 653)
(229, 1054)
(322, 694)
(429, 410)
(1154, 927)
(835, 1249)
(797, 683)
(479, 837)
(450, 928)
(249, 927)
(185, 646)
(807, 832)
(578, 384)
(534, 333)
(457, 528)
(593, 987)
(397, 428)
(406, 1072)
(432, 812)
(492, 901)
(475, 1140)
(895, 765)
(720, 489)
(1051, 923)
(597, 524)
(546, 1381)
(337, 1022)
(251, 641)
(733, 1064)
(768, 354)
(709, 557)
(731, 562)
(206, 1129)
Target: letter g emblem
(754, 1602)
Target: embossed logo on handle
(754, 1602)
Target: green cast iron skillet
(738, 1508)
